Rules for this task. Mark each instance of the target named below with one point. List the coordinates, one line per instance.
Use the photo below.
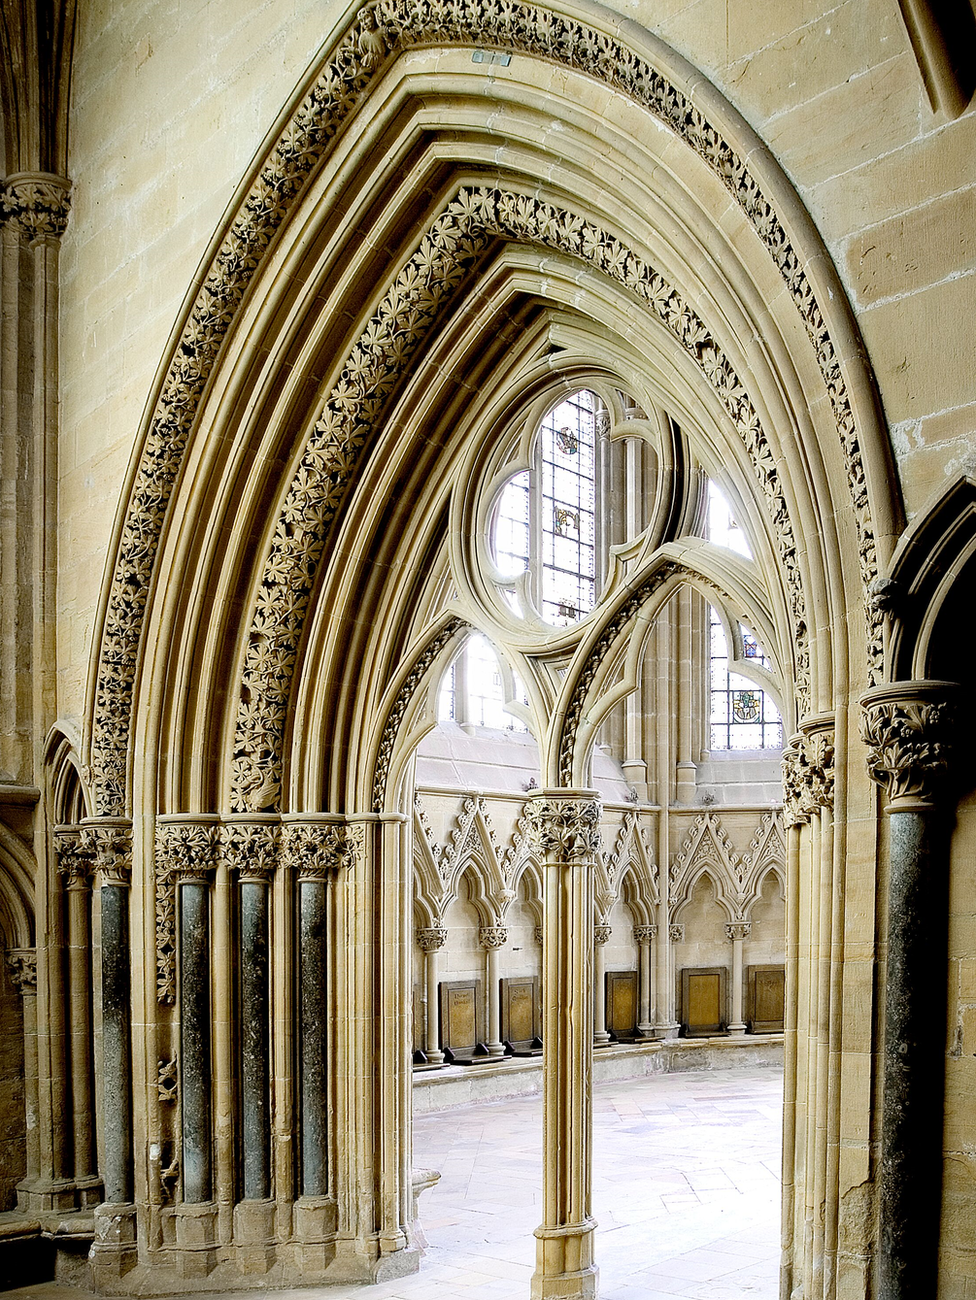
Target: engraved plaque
(703, 1001)
(767, 999)
(622, 1007)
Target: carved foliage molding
(564, 830)
(36, 204)
(378, 32)
(909, 744)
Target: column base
(601, 1039)
(738, 1029)
(646, 1030)
(254, 1235)
(564, 1268)
(667, 1031)
(496, 1050)
(114, 1251)
(196, 1238)
(314, 1226)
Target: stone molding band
(378, 33)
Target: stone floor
(686, 1195)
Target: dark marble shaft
(312, 947)
(195, 1041)
(116, 1085)
(914, 1067)
(255, 1059)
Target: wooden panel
(461, 1016)
(703, 1001)
(767, 999)
(622, 1005)
(519, 1010)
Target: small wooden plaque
(767, 999)
(703, 1001)
(462, 1016)
(622, 1002)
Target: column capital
(22, 968)
(187, 848)
(738, 930)
(601, 934)
(36, 204)
(908, 728)
(431, 938)
(76, 857)
(316, 848)
(493, 936)
(808, 772)
(250, 847)
(564, 825)
(676, 932)
(109, 840)
(644, 933)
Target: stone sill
(462, 1085)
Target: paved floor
(686, 1191)
(686, 1195)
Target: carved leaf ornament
(378, 33)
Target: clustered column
(907, 727)
(565, 829)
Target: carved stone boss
(377, 32)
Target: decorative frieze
(22, 968)
(564, 829)
(36, 204)
(908, 728)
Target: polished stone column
(601, 936)
(109, 841)
(564, 828)
(643, 936)
(75, 864)
(907, 727)
(432, 940)
(737, 932)
(195, 1027)
(493, 938)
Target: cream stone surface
(288, 292)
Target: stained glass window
(742, 715)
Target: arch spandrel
(659, 84)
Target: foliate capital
(76, 857)
(315, 849)
(187, 849)
(908, 729)
(565, 826)
(644, 933)
(738, 930)
(36, 204)
(808, 775)
(676, 932)
(22, 966)
(251, 849)
(493, 936)
(431, 937)
(601, 934)
(109, 842)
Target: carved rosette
(431, 938)
(676, 932)
(644, 933)
(601, 934)
(908, 729)
(316, 849)
(738, 930)
(250, 849)
(22, 968)
(76, 857)
(493, 936)
(36, 204)
(563, 828)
